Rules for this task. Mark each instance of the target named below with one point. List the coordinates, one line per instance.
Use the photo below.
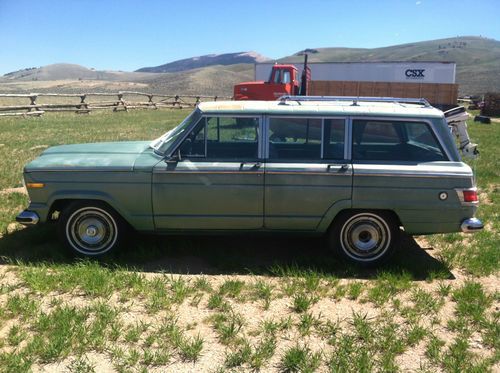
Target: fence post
(83, 105)
(33, 102)
(151, 103)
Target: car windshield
(162, 143)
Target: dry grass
(89, 315)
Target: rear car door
(400, 164)
(218, 182)
(307, 170)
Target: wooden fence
(101, 101)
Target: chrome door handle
(343, 167)
(252, 164)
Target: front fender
(137, 220)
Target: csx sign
(415, 73)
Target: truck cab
(283, 80)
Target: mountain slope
(64, 71)
(205, 61)
(477, 58)
(212, 80)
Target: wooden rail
(123, 102)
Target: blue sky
(127, 35)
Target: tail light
(468, 196)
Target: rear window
(306, 139)
(295, 138)
(375, 140)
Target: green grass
(300, 359)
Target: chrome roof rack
(356, 99)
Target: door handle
(252, 164)
(343, 167)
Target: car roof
(321, 108)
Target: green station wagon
(355, 170)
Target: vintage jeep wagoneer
(356, 170)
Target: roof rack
(356, 99)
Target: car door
(218, 182)
(307, 171)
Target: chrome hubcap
(365, 237)
(91, 230)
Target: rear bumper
(28, 218)
(471, 225)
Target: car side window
(380, 140)
(334, 134)
(223, 138)
(193, 145)
(295, 138)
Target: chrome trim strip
(81, 169)
(28, 218)
(207, 172)
(471, 225)
(348, 140)
(326, 173)
(403, 174)
(322, 154)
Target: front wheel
(90, 228)
(366, 238)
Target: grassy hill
(68, 71)
(206, 61)
(211, 80)
(478, 69)
(477, 58)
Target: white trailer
(393, 72)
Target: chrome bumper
(471, 225)
(28, 218)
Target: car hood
(113, 156)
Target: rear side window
(334, 132)
(295, 138)
(306, 139)
(395, 141)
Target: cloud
(418, 3)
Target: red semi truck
(284, 80)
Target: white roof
(321, 108)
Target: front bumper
(28, 218)
(471, 225)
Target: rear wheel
(366, 238)
(90, 228)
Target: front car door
(308, 172)
(218, 182)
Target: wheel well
(59, 205)
(342, 212)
